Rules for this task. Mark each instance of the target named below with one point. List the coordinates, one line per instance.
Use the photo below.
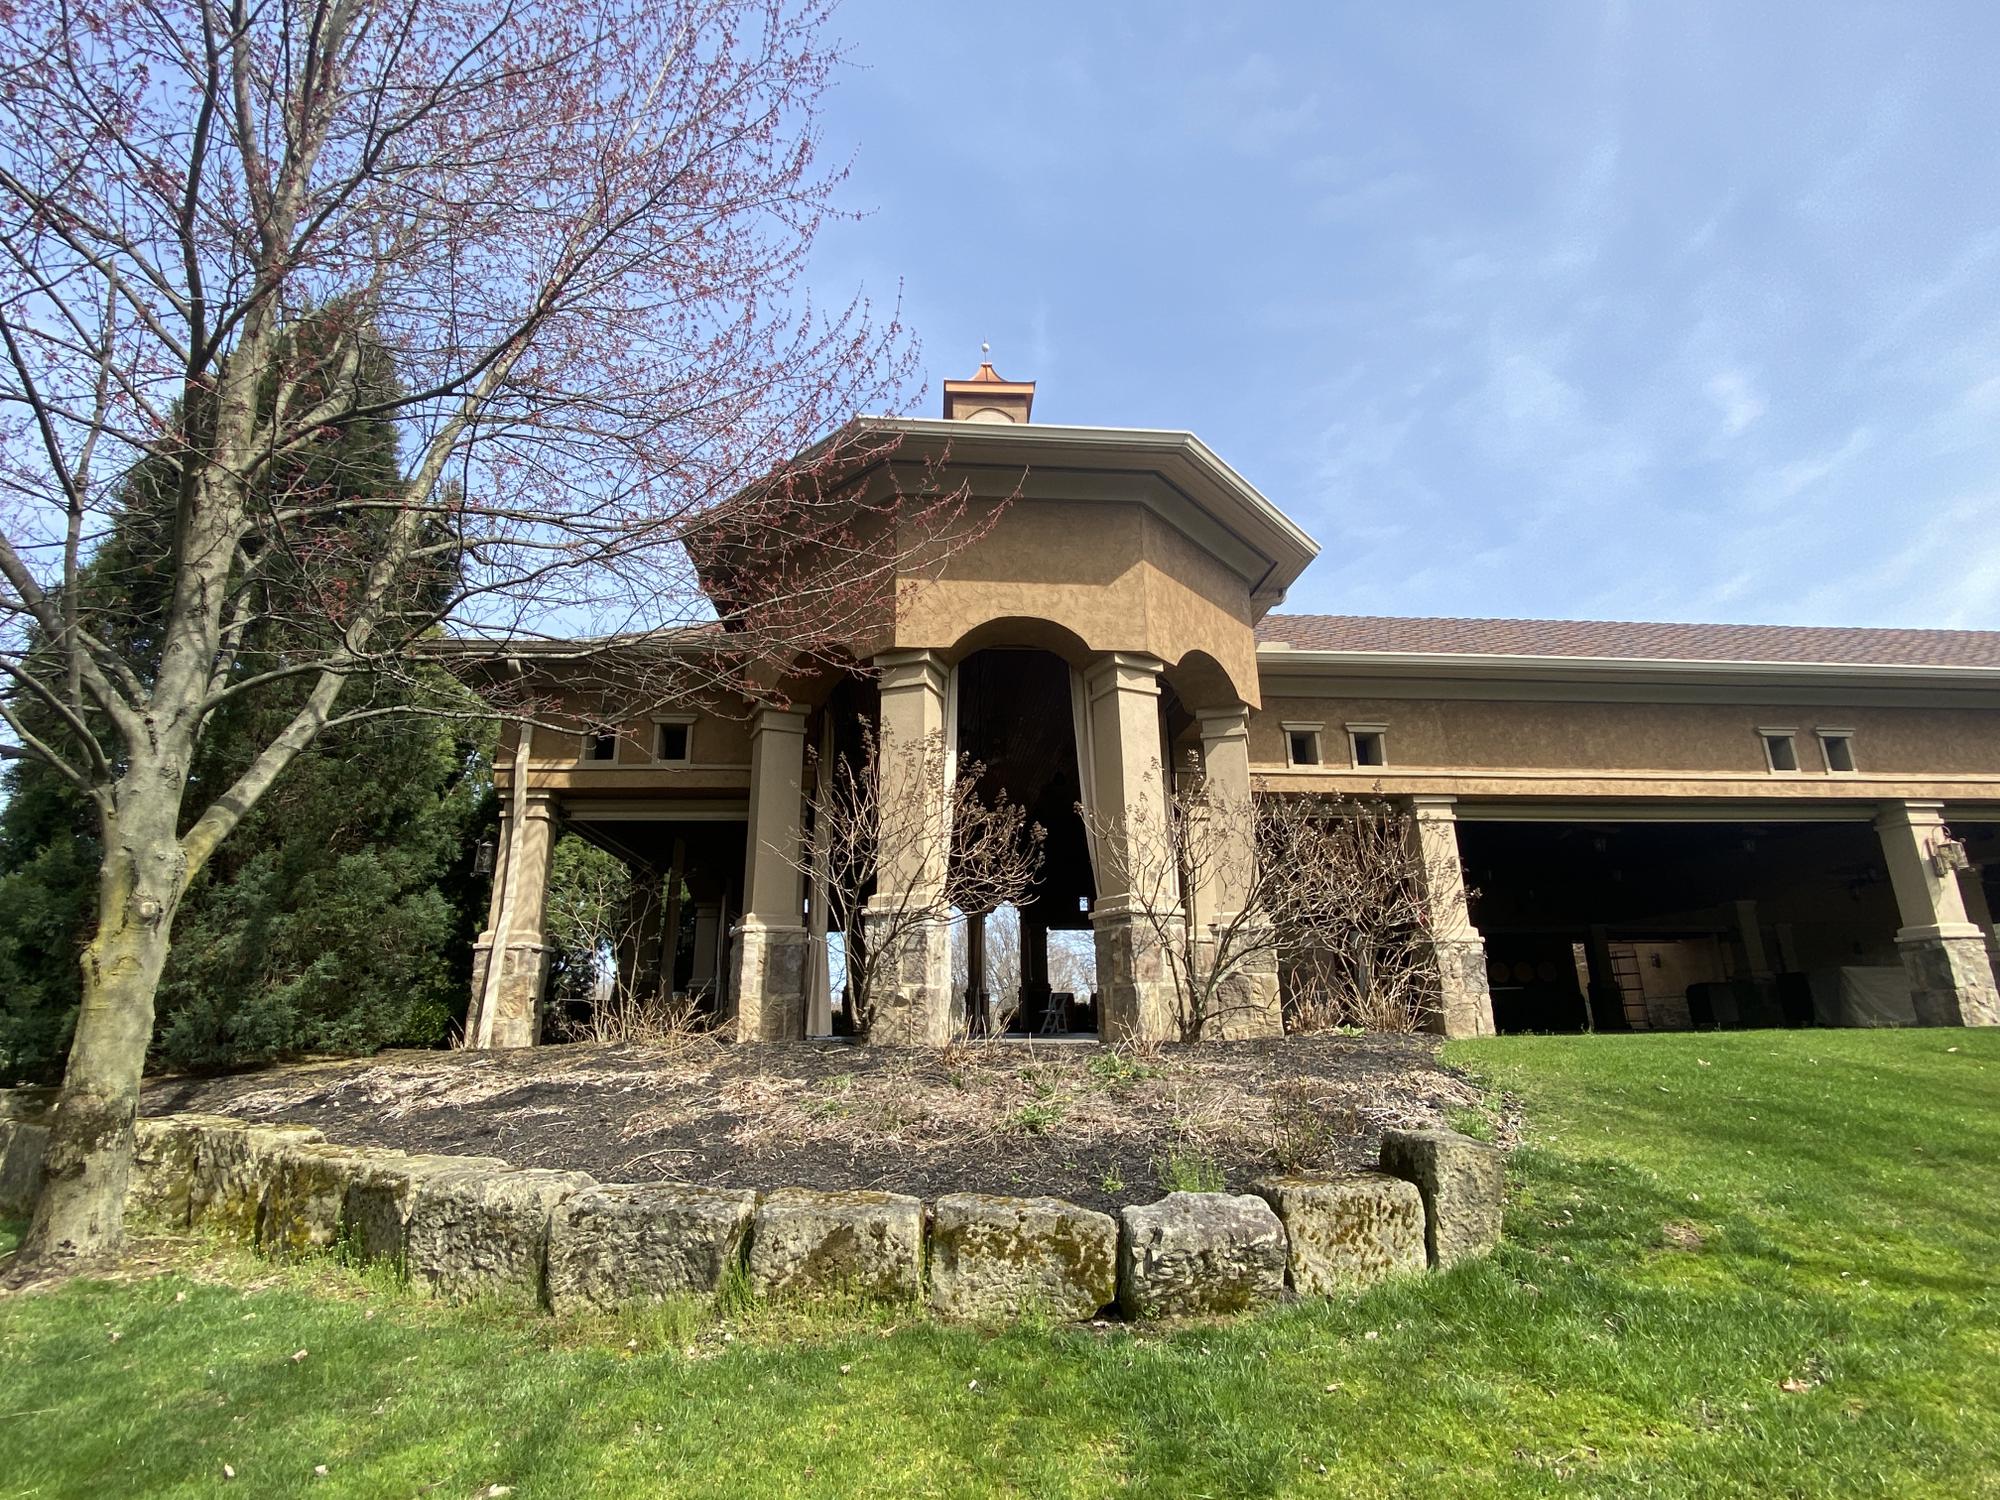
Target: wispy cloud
(1738, 400)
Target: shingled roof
(1623, 641)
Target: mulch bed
(1095, 1125)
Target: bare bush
(599, 910)
(1309, 1123)
(1358, 938)
(867, 860)
(1332, 889)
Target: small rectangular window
(600, 745)
(1304, 748)
(1780, 751)
(1368, 744)
(1838, 747)
(671, 740)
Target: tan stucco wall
(1668, 749)
(1114, 575)
(719, 758)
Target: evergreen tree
(340, 918)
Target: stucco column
(912, 1004)
(1248, 1003)
(506, 1009)
(1951, 977)
(768, 960)
(1137, 891)
(1465, 1003)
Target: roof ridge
(1279, 615)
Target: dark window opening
(1305, 747)
(1783, 754)
(600, 747)
(673, 742)
(1369, 749)
(1839, 752)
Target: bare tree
(995, 854)
(1072, 962)
(1359, 942)
(576, 229)
(1329, 890)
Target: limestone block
(305, 1207)
(1465, 999)
(1247, 1003)
(375, 1213)
(1135, 982)
(1199, 1253)
(769, 982)
(27, 1104)
(1348, 1231)
(234, 1163)
(1951, 981)
(1463, 1183)
(480, 1232)
(629, 1243)
(165, 1148)
(23, 1146)
(911, 992)
(995, 1257)
(804, 1243)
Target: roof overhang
(1173, 473)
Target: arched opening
(1016, 716)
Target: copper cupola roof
(987, 396)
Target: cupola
(986, 397)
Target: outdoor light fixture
(482, 857)
(1948, 857)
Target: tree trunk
(80, 1216)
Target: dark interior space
(1015, 719)
(1666, 925)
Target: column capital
(1437, 806)
(909, 669)
(1916, 813)
(779, 721)
(536, 803)
(1129, 671)
(1232, 722)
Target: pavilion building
(1627, 826)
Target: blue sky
(1668, 311)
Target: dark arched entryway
(1016, 718)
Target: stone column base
(1465, 1002)
(1136, 998)
(768, 981)
(1951, 980)
(912, 1001)
(1247, 1004)
(517, 1000)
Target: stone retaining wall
(477, 1227)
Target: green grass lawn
(1748, 1264)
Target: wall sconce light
(482, 857)
(1948, 857)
